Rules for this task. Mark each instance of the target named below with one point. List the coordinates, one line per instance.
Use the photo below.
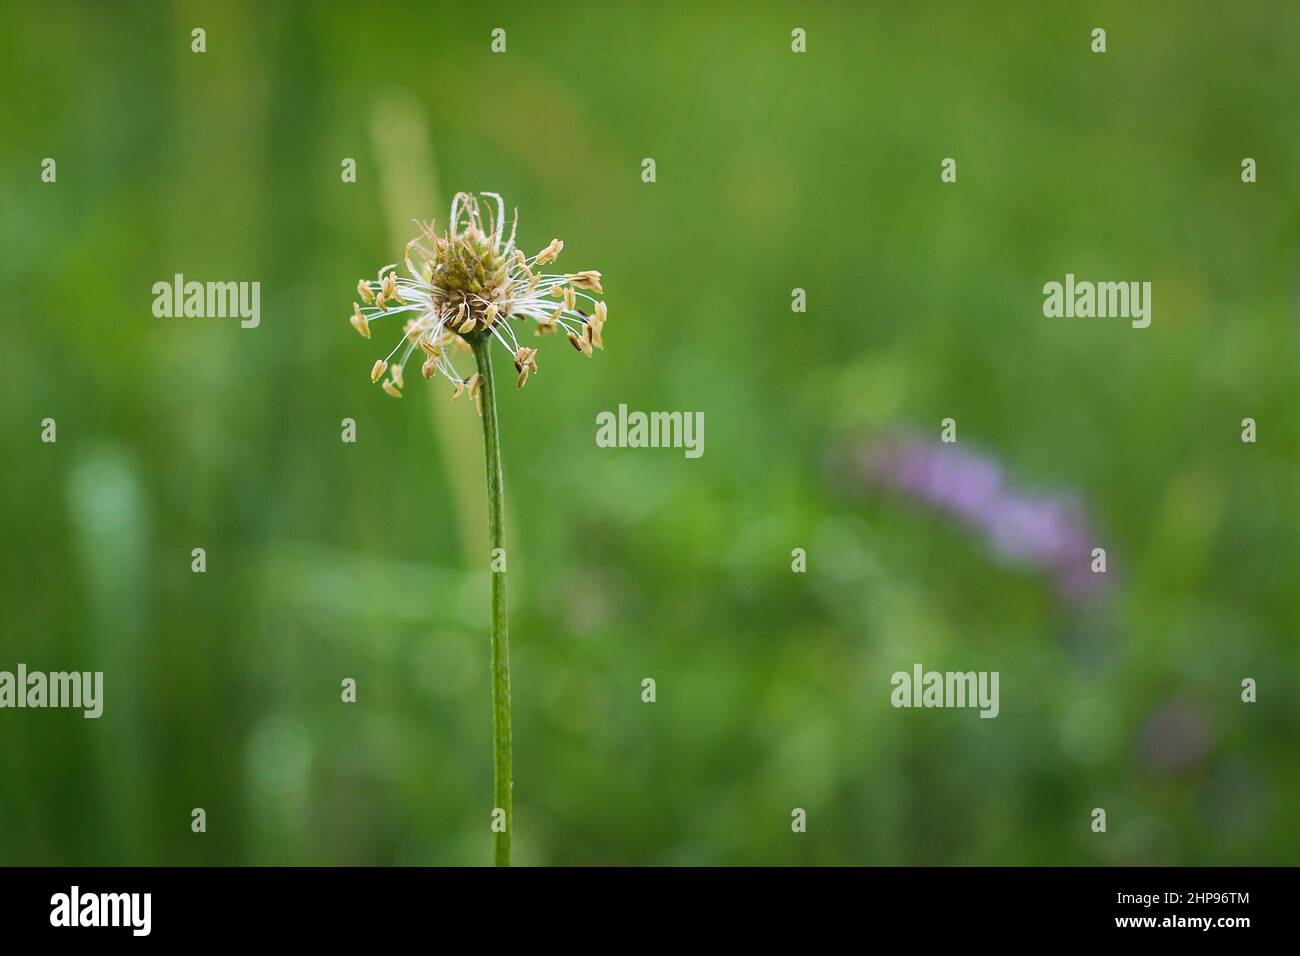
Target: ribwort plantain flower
(470, 283)
(462, 293)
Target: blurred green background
(774, 171)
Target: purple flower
(1050, 532)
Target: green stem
(502, 784)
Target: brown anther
(463, 321)
(526, 358)
(580, 343)
(590, 279)
(380, 368)
(359, 321)
(363, 290)
(391, 389)
(551, 252)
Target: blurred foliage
(775, 171)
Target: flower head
(468, 284)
